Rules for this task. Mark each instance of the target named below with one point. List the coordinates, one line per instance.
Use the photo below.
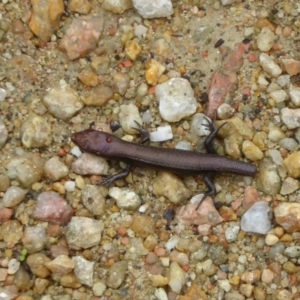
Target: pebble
(251, 151)
(88, 77)
(36, 132)
(251, 276)
(116, 6)
(208, 267)
(160, 294)
(46, 18)
(93, 198)
(292, 252)
(225, 111)
(292, 164)
(172, 243)
(84, 270)
(82, 36)
(27, 169)
(224, 285)
(121, 82)
(61, 265)
(82, 232)
(294, 93)
(289, 186)
(291, 66)
(154, 69)
(268, 178)
(34, 238)
(62, 101)
(116, 274)
(199, 125)
(37, 264)
(283, 80)
(3, 95)
(181, 258)
(231, 233)
(276, 157)
(51, 207)
(291, 117)
(125, 198)
(171, 186)
(257, 218)
(13, 266)
(269, 65)
(265, 39)
(3, 134)
(11, 231)
(70, 186)
(246, 290)
(176, 99)
(80, 6)
(13, 196)
(99, 288)
(90, 164)
(271, 239)
(70, 281)
(278, 96)
(162, 133)
(287, 215)
(55, 169)
(159, 280)
(177, 277)
(275, 134)
(143, 225)
(267, 276)
(129, 116)
(289, 144)
(132, 49)
(184, 145)
(98, 96)
(5, 214)
(136, 249)
(154, 9)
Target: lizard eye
(109, 140)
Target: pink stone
(51, 207)
(267, 276)
(291, 66)
(204, 229)
(250, 197)
(288, 216)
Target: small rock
(84, 270)
(154, 70)
(177, 277)
(143, 226)
(162, 133)
(275, 134)
(117, 6)
(51, 207)
(132, 49)
(37, 264)
(276, 156)
(121, 82)
(55, 169)
(267, 276)
(194, 292)
(251, 276)
(176, 99)
(287, 215)
(88, 77)
(4, 182)
(136, 249)
(34, 238)
(295, 95)
(268, 178)
(93, 198)
(5, 214)
(70, 281)
(27, 169)
(125, 198)
(224, 285)
(278, 96)
(46, 18)
(199, 125)
(11, 231)
(3, 134)
(83, 232)
(246, 289)
(159, 280)
(116, 274)
(82, 36)
(291, 117)
(231, 233)
(251, 151)
(61, 265)
(90, 164)
(99, 288)
(154, 9)
(284, 80)
(13, 266)
(98, 96)
(269, 65)
(292, 252)
(271, 239)
(292, 163)
(128, 116)
(265, 39)
(181, 258)
(62, 102)
(289, 186)
(13, 196)
(289, 144)
(80, 6)
(291, 66)
(225, 111)
(257, 218)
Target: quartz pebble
(289, 144)
(116, 274)
(154, 69)
(11, 231)
(88, 164)
(162, 133)
(82, 36)
(125, 198)
(271, 239)
(55, 169)
(279, 96)
(269, 65)
(276, 156)
(287, 215)
(99, 288)
(90, 232)
(291, 117)
(61, 265)
(129, 117)
(292, 252)
(116, 6)
(289, 186)
(225, 111)
(295, 95)
(13, 266)
(34, 238)
(3, 134)
(51, 207)
(153, 9)
(265, 39)
(93, 198)
(62, 101)
(176, 99)
(231, 233)
(121, 82)
(177, 277)
(84, 270)
(199, 125)
(13, 196)
(257, 218)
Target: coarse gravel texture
(72, 65)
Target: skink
(178, 161)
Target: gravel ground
(66, 66)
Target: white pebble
(140, 31)
(76, 151)
(276, 157)
(295, 95)
(279, 95)
(153, 9)
(70, 186)
(129, 115)
(265, 39)
(125, 198)
(291, 117)
(160, 294)
(269, 65)
(271, 239)
(2, 94)
(161, 134)
(231, 233)
(199, 125)
(283, 80)
(183, 145)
